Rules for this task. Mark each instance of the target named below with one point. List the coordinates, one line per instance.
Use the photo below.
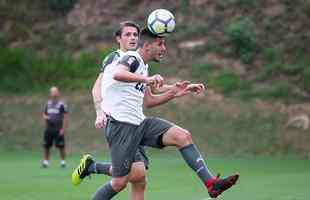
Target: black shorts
(53, 137)
(125, 139)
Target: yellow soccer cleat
(81, 171)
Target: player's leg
(123, 140)
(110, 189)
(60, 144)
(182, 139)
(47, 144)
(137, 178)
(106, 167)
(162, 133)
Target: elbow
(117, 76)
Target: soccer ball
(161, 22)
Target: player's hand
(196, 88)
(61, 132)
(156, 80)
(181, 88)
(101, 121)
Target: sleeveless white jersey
(124, 101)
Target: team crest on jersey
(130, 60)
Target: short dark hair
(124, 24)
(146, 35)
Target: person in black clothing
(55, 115)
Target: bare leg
(137, 178)
(46, 153)
(62, 153)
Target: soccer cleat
(217, 185)
(63, 164)
(45, 164)
(81, 171)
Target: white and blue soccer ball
(161, 22)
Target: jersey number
(140, 86)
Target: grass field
(168, 178)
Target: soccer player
(127, 36)
(127, 127)
(55, 116)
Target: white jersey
(124, 101)
(110, 60)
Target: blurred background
(253, 55)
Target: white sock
(62, 162)
(45, 162)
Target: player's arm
(167, 87)
(97, 98)
(150, 100)
(96, 93)
(178, 90)
(65, 121)
(44, 114)
(125, 72)
(64, 110)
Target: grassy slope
(169, 178)
(227, 127)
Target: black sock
(99, 168)
(105, 192)
(195, 161)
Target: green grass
(168, 178)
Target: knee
(138, 178)
(183, 138)
(118, 184)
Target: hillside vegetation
(253, 55)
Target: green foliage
(276, 90)
(241, 33)
(23, 70)
(306, 79)
(61, 4)
(307, 8)
(229, 82)
(202, 71)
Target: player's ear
(147, 45)
(118, 38)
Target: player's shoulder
(131, 59)
(111, 57)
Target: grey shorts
(125, 139)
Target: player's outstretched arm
(150, 100)
(166, 87)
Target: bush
(61, 4)
(229, 82)
(241, 33)
(23, 70)
(202, 71)
(306, 79)
(277, 90)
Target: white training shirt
(124, 101)
(111, 60)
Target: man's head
(152, 46)
(127, 35)
(54, 93)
